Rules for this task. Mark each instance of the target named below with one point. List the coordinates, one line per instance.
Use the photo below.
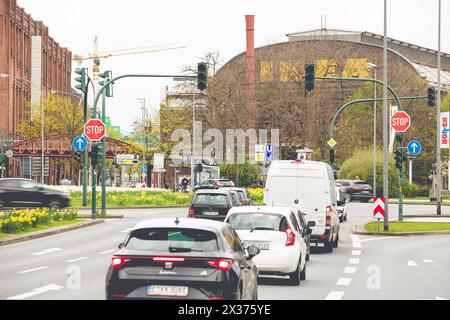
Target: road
(72, 265)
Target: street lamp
(144, 127)
(374, 68)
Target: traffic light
(399, 159)
(310, 77)
(399, 138)
(331, 155)
(106, 76)
(202, 76)
(77, 156)
(94, 154)
(82, 79)
(198, 167)
(431, 96)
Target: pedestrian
(184, 184)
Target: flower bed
(257, 195)
(21, 220)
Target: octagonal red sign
(400, 121)
(94, 130)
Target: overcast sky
(210, 25)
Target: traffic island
(48, 232)
(406, 228)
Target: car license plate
(210, 213)
(261, 245)
(168, 291)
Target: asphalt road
(72, 265)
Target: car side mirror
(308, 231)
(311, 224)
(340, 203)
(121, 245)
(252, 251)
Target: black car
(243, 194)
(182, 259)
(355, 190)
(212, 204)
(24, 193)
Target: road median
(48, 232)
(362, 229)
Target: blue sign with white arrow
(144, 169)
(269, 152)
(414, 147)
(79, 144)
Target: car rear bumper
(285, 261)
(322, 238)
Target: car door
(32, 196)
(247, 267)
(10, 193)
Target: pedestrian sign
(79, 143)
(414, 147)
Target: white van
(308, 186)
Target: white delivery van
(308, 186)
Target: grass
(409, 226)
(40, 228)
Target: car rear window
(211, 199)
(249, 221)
(362, 184)
(163, 239)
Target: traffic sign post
(378, 210)
(414, 148)
(79, 143)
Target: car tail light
(221, 264)
(217, 298)
(168, 259)
(191, 213)
(118, 262)
(356, 188)
(290, 240)
(118, 296)
(328, 216)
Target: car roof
(213, 191)
(17, 179)
(286, 211)
(203, 224)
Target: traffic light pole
(85, 152)
(103, 211)
(94, 186)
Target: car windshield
(207, 182)
(362, 184)
(210, 199)
(251, 221)
(172, 240)
(29, 184)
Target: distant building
(27, 52)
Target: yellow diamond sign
(332, 143)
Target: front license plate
(167, 291)
(210, 213)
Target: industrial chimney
(250, 71)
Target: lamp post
(144, 128)
(374, 68)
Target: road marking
(411, 263)
(36, 291)
(343, 281)
(46, 251)
(428, 261)
(353, 261)
(108, 251)
(349, 270)
(379, 238)
(126, 230)
(76, 259)
(356, 252)
(335, 295)
(33, 270)
(440, 298)
(355, 240)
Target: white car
(279, 236)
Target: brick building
(27, 52)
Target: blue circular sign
(414, 147)
(79, 143)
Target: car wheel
(303, 273)
(328, 247)
(54, 204)
(294, 277)
(345, 218)
(341, 219)
(307, 257)
(238, 295)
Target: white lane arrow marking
(428, 261)
(411, 263)
(46, 251)
(35, 292)
(335, 295)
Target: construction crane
(96, 56)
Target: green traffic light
(202, 76)
(82, 80)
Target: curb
(358, 229)
(143, 207)
(49, 232)
(88, 216)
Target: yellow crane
(96, 56)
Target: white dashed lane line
(349, 270)
(76, 259)
(344, 281)
(356, 252)
(411, 263)
(335, 295)
(353, 261)
(428, 261)
(33, 270)
(35, 292)
(108, 251)
(50, 250)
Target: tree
(243, 175)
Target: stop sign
(400, 121)
(94, 130)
